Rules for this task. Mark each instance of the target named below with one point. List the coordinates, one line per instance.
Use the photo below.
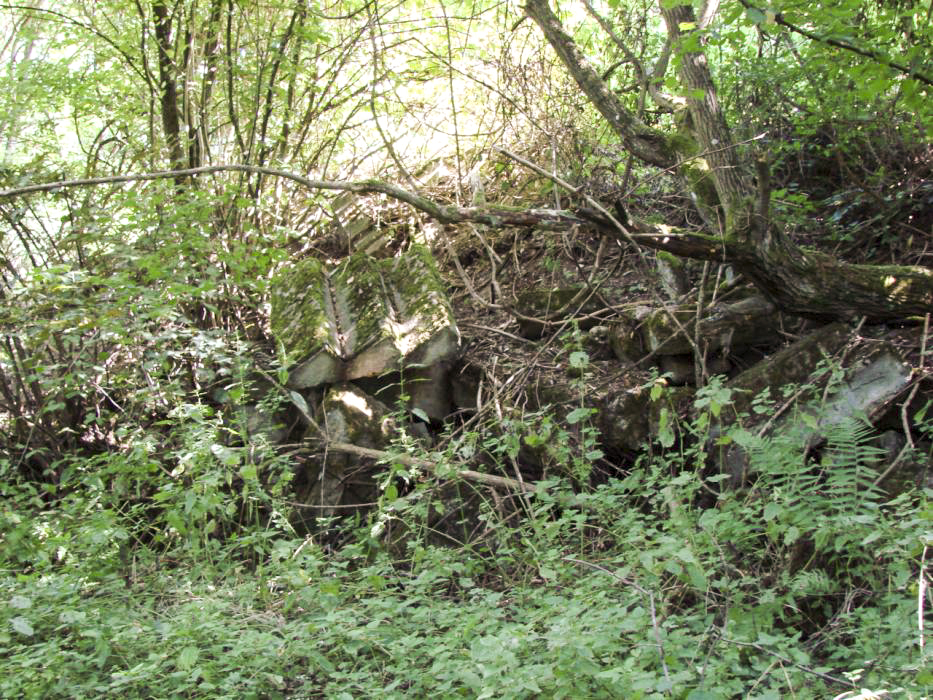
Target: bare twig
(791, 662)
(618, 226)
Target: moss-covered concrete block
(362, 318)
(874, 376)
(750, 321)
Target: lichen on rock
(299, 315)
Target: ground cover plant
(804, 585)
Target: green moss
(670, 259)
(368, 313)
(416, 294)
(694, 169)
(299, 318)
(360, 303)
(683, 144)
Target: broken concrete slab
(672, 274)
(346, 415)
(791, 365)
(750, 321)
(871, 376)
(427, 390)
(362, 318)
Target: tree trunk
(798, 281)
(168, 87)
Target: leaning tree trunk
(798, 281)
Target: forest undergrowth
(651, 584)
(150, 542)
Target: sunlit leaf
(22, 625)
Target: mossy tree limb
(797, 280)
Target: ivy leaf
(665, 429)
(330, 587)
(772, 510)
(686, 556)
(223, 453)
(68, 617)
(697, 576)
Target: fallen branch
(502, 482)
(490, 216)
(369, 453)
(682, 243)
(798, 281)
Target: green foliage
(145, 542)
(631, 589)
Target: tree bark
(707, 122)
(168, 87)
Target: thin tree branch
(491, 216)
(65, 19)
(647, 80)
(502, 482)
(791, 662)
(874, 55)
